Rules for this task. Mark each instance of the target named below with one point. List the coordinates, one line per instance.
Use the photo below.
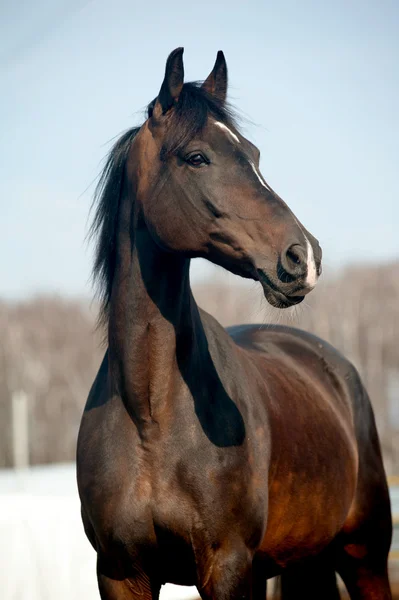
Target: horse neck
(151, 307)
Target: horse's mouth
(274, 296)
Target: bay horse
(212, 457)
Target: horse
(211, 457)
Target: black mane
(188, 119)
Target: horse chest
(209, 493)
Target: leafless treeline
(49, 349)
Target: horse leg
(229, 578)
(113, 585)
(363, 567)
(259, 579)
(362, 548)
(362, 556)
(314, 579)
(365, 580)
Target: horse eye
(197, 160)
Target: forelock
(189, 117)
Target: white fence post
(20, 430)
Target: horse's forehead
(232, 137)
(228, 131)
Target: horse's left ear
(172, 84)
(216, 82)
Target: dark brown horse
(209, 457)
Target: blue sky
(319, 80)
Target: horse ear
(216, 82)
(172, 84)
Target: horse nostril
(293, 256)
(293, 262)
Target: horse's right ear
(172, 84)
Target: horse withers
(210, 457)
